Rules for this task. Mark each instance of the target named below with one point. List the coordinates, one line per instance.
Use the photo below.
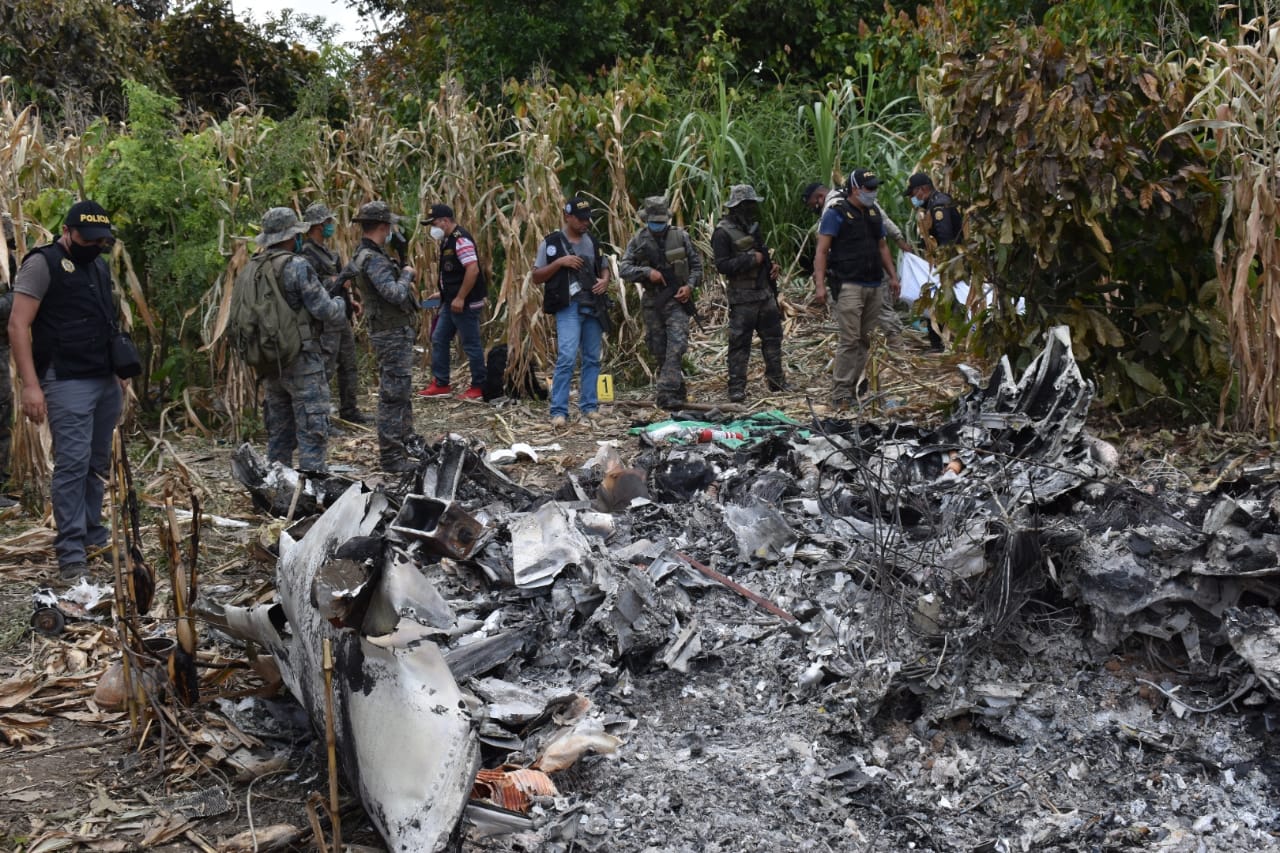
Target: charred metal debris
(487, 635)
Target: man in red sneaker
(462, 295)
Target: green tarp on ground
(752, 428)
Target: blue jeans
(82, 418)
(576, 331)
(466, 324)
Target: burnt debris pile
(837, 595)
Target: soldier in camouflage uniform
(6, 382)
(661, 257)
(337, 341)
(742, 257)
(390, 306)
(296, 404)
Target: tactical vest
(749, 285)
(72, 328)
(855, 251)
(672, 255)
(452, 271)
(324, 262)
(944, 218)
(379, 314)
(555, 297)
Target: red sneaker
(475, 392)
(435, 389)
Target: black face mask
(747, 212)
(84, 254)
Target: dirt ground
(731, 756)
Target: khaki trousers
(857, 315)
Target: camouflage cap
(317, 213)
(656, 209)
(375, 211)
(739, 193)
(280, 224)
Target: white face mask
(437, 233)
(916, 201)
(867, 197)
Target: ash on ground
(831, 636)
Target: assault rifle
(671, 283)
(668, 293)
(586, 276)
(766, 266)
(399, 244)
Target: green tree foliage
(491, 41)
(213, 61)
(498, 39)
(165, 192)
(71, 57)
(1075, 204)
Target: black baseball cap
(579, 206)
(862, 179)
(90, 220)
(438, 211)
(810, 189)
(916, 181)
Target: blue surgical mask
(328, 230)
(916, 201)
(657, 227)
(867, 197)
(297, 243)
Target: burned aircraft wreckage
(476, 622)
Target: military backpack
(265, 330)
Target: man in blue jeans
(572, 268)
(60, 329)
(462, 295)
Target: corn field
(1238, 110)
(505, 170)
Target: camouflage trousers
(338, 343)
(745, 320)
(393, 349)
(296, 411)
(6, 416)
(666, 334)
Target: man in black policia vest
(938, 217)
(462, 295)
(851, 245)
(661, 257)
(60, 329)
(391, 313)
(337, 341)
(296, 399)
(571, 266)
(939, 222)
(742, 257)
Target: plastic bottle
(706, 435)
(668, 431)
